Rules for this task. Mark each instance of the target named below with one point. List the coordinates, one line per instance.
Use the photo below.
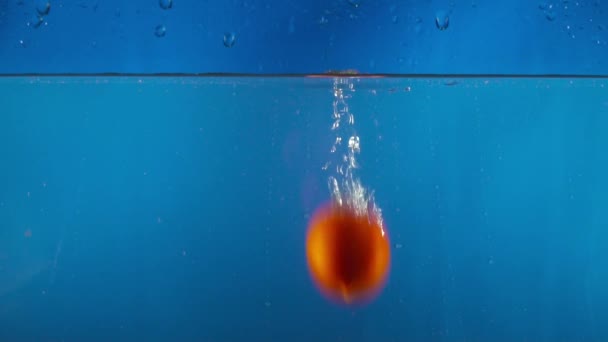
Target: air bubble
(166, 4)
(442, 20)
(354, 144)
(229, 39)
(43, 7)
(160, 31)
(550, 15)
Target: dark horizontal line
(329, 75)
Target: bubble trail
(347, 246)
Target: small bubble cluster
(161, 30)
(35, 21)
(569, 18)
(42, 9)
(548, 11)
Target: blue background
(175, 209)
(278, 36)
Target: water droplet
(35, 21)
(354, 3)
(43, 7)
(229, 39)
(442, 20)
(160, 31)
(166, 4)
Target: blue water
(175, 209)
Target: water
(175, 208)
